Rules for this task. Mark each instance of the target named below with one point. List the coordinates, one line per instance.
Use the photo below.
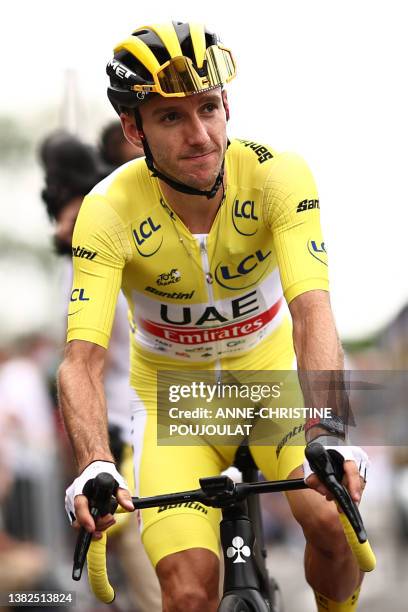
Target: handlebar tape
(328, 466)
(362, 550)
(97, 573)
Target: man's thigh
(159, 469)
(277, 438)
(276, 465)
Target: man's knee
(320, 522)
(187, 597)
(189, 580)
(323, 530)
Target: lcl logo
(230, 277)
(147, 228)
(318, 250)
(243, 216)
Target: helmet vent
(131, 62)
(155, 44)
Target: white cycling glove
(92, 470)
(350, 453)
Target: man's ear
(130, 130)
(226, 105)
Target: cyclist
(205, 237)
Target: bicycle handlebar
(328, 465)
(220, 492)
(99, 492)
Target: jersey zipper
(209, 281)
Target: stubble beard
(177, 173)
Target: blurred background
(322, 79)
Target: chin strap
(175, 184)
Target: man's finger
(314, 483)
(125, 500)
(352, 480)
(82, 513)
(104, 522)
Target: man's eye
(170, 117)
(210, 107)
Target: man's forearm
(320, 365)
(82, 404)
(317, 344)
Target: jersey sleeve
(292, 213)
(99, 249)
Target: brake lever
(99, 492)
(328, 466)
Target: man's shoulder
(261, 154)
(256, 163)
(122, 179)
(119, 190)
(255, 152)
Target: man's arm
(319, 353)
(315, 338)
(82, 401)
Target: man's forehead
(161, 103)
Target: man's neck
(196, 212)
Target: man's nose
(196, 133)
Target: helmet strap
(211, 193)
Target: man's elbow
(301, 336)
(81, 360)
(66, 373)
(314, 328)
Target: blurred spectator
(114, 149)
(26, 407)
(71, 170)
(27, 460)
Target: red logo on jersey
(196, 335)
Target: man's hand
(84, 518)
(356, 464)
(76, 504)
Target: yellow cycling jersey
(196, 299)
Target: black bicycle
(247, 584)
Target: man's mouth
(199, 156)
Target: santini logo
(192, 505)
(307, 205)
(175, 295)
(83, 253)
(261, 151)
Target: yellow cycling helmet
(172, 59)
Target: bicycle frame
(251, 509)
(243, 576)
(245, 571)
